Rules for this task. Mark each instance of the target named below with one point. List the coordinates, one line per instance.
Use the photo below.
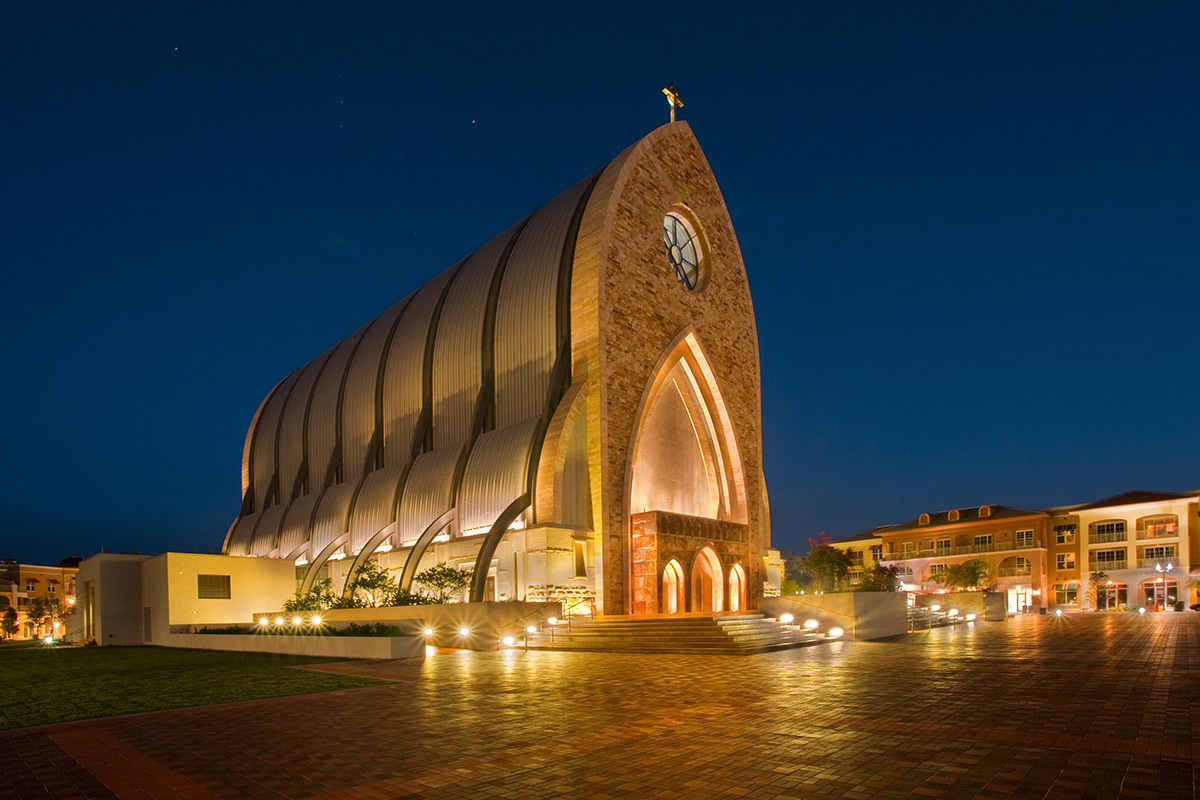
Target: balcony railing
(1101, 566)
(964, 550)
(1151, 563)
(1013, 572)
(1105, 538)
(1157, 534)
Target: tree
(825, 563)
(879, 578)
(370, 586)
(318, 598)
(967, 575)
(36, 615)
(1095, 580)
(443, 581)
(8, 623)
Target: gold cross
(673, 99)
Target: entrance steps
(724, 634)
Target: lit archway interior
(672, 588)
(708, 582)
(737, 588)
(685, 458)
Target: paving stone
(1080, 706)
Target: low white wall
(488, 623)
(317, 646)
(990, 606)
(862, 615)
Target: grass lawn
(57, 684)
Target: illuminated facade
(22, 584)
(570, 412)
(1146, 544)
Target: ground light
(1058, 612)
(279, 620)
(1140, 611)
(464, 631)
(935, 607)
(48, 640)
(297, 620)
(786, 618)
(811, 624)
(429, 631)
(953, 612)
(970, 617)
(316, 620)
(552, 620)
(836, 633)
(509, 641)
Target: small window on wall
(985, 511)
(580, 559)
(1065, 561)
(212, 587)
(1064, 534)
(1066, 594)
(953, 515)
(923, 519)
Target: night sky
(971, 231)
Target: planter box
(863, 615)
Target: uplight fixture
(279, 620)
(1142, 611)
(1058, 612)
(552, 620)
(297, 620)
(531, 629)
(429, 631)
(316, 620)
(935, 607)
(970, 617)
(786, 618)
(953, 612)
(464, 631)
(811, 624)
(836, 633)
(509, 641)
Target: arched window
(923, 519)
(1160, 527)
(1109, 530)
(953, 515)
(985, 511)
(737, 588)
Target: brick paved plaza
(1083, 706)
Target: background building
(23, 584)
(1146, 544)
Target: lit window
(1066, 594)
(1024, 538)
(1157, 527)
(943, 547)
(953, 515)
(1065, 561)
(923, 519)
(683, 249)
(580, 560)
(1064, 534)
(212, 587)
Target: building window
(1066, 594)
(580, 559)
(856, 557)
(212, 587)
(923, 519)
(1158, 527)
(31, 585)
(936, 571)
(683, 249)
(1024, 538)
(1064, 534)
(1065, 561)
(1111, 596)
(943, 547)
(1109, 528)
(907, 549)
(876, 552)
(985, 511)
(1162, 551)
(953, 515)
(1108, 559)
(983, 543)
(51, 588)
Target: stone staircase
(726, 634)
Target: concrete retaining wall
(863, 615)
(989, 606)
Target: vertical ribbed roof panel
(527, 310)
(291, 427)
(322, 430)
(496, 475)
(358, 404)
(458, 348)
(262, 451)
(375, 507)
(295, 529)
(243, 530)
(427, 494)
(267, 531)
(333, 515)
(403, 374)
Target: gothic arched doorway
(708, 582)
(672, 588)
(737, 588)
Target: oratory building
(571, 412)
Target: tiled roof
(965, 515)
(1134, 497)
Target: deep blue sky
(971, 231)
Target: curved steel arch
(422, 543)
(310, 577)
(491, 541)
(369, 548)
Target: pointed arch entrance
(737, 588)
(672, 588)
(708, 582)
